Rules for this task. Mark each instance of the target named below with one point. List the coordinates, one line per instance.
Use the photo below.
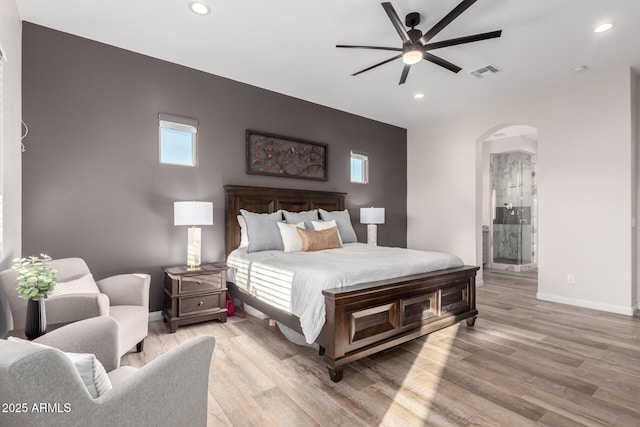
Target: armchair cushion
(83, 285)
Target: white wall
(11, 167)
(584, 186)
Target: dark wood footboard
(368, 318)
(364, 319)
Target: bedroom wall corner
(11, 157)
(635, 120)
(582, 182)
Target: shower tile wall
(513, 181)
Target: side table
(193, 296)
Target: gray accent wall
(93, 186)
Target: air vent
(487, 70)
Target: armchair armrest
(74, 307)
(99, 336)
(186, 404)
(126, 289)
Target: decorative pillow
(83, 285)
(323, 225)
(244, 236)
(91, 371)
(344, 224)
(317, 240)
(290, 237)
(306, 217)
(262, 230)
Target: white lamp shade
(371, 215)
(192, 213)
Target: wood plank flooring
(526, 362)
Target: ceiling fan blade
(377, 65)
(397, 49)
(393, 16)
(405, 73)
(462, 40)
(441, 62)
(457, 11)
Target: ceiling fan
(416, 46)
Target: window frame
(364, 157)
(183, 124)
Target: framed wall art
(276, 155)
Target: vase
(36, 322)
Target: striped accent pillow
(83, 285)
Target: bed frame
(367, 318)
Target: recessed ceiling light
(418, 95)
(603, 27)
(199, 8)
(580, 69)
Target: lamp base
(372, 234)
(194, 248)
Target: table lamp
(372, 216)
(193, 214)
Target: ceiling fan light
(411, 57)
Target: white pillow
(244, 236)
(290, 237)
(83, 285)
(91, 371)
(323, 225)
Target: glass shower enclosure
(514, 203)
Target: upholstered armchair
(170, 390)
(124, 297)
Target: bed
(364, 318)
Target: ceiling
(288, 46)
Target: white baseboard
(479, 283)
(628, 311)
(155, 315)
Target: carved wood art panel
(276, 155)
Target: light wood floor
(525, 362)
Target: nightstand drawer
(198, 304)
(203, 283)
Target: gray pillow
(262, 230)
(344, 224)
(306, 217)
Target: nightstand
(193, 296)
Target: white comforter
(293, 281)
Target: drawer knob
(199, 282)
(200, 303)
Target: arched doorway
(507, 202)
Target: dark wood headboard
(268, 200)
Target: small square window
(359, 168)
(178, 140)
